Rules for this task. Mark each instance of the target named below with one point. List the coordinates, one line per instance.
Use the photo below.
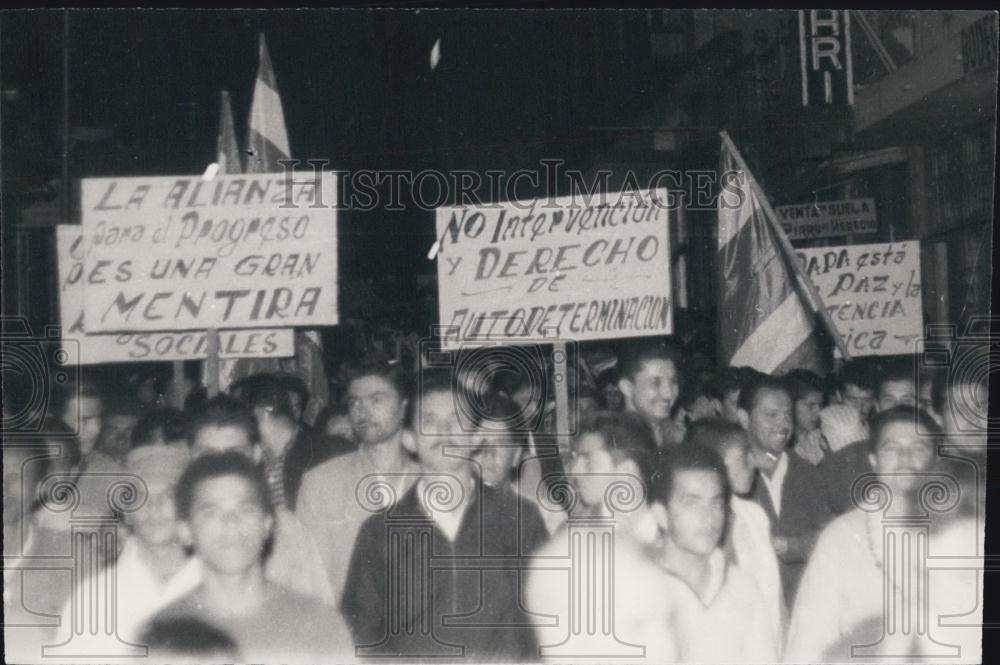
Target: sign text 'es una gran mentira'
(185, 253)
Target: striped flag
(267, 144)
(764, 319)
(267, 139)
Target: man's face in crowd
(653, 389)
(896, 393)
(438, 425)
(861, 399)
(84, 411)
(965, 412)
(223, 438)
(591, 464)
(375, 409)
(807, 411)
(228, 526)
(696, 511)
(739, 466)
(155, 522)
(900, 453)
(730, 406)
(770, 421)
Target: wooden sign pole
(212, 365)
(561, 385)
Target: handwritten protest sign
(827, 219)
(183, 253)
(563, 267)
(872, 293)
(142, 346)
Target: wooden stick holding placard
(212, 365)
(177, 385)
(786, 246)
(561, 385)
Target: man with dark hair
(152, 569)
(809, 398)
(788, 487)
(224, 504)
(748, 535)
(377, 397)
(228, 425)
(895, 387)
(846, 601)
(719, 612)
(856, 386)
(452, 519)
(609, 451)
(650, 382)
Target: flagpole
(786, 246)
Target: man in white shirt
(841, 611)
(719, 614)
(595, 589)
(748, 541)
(152, 570)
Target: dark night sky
(512, 87)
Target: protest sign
(236, 251)
(872, 293)
(144, 346)
(828, 219)
(564, 267)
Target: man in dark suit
(787, 487)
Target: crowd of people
(687, 515)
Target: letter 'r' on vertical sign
(825, 60)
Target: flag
(267, 145)
(227, 150)
(764, 319)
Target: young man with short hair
(153, 568)
(788, 487)
(377, 397)
(856, 385)
(449, 520)
(720, 614)
(609, 451)
(227, 425)
(748, 537)
(227, 517)
(809, 398)
(650, 382)
(844, 601)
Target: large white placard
(185, 253)
(872, 293)
(556, 268)
(145, 346)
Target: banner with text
(145, 346)
(236, 251)
(872, 293)
(828, 219)
(563, 268)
